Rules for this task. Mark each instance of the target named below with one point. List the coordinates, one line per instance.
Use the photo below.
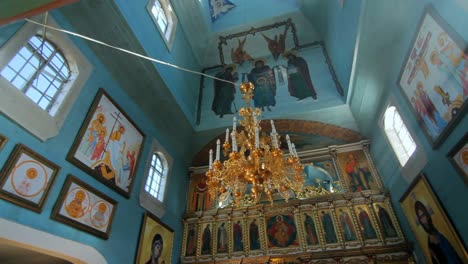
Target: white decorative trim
(32, 239)
(147, 201)
(19, 108)
(168, 37)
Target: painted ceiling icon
(218, 8)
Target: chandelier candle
(254, 165)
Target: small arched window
(40, 71)
(156, 178)
(398, 135)
(41, 76)
(158, 13)
(164, 17)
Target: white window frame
(147, 201)
(418, 159)
(169, 35)
(17, 106)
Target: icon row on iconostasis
(324, 225)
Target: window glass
(39, 71)
(156, 179)
(398, 135)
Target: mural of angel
(277, 46)
(239, 55)
(219, 7)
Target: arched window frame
(418, 159)
(22, 110)
(147, 200)
(398, 135)
(167, 34)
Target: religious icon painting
(365, 222)
(191, 242)
(26, 178)
(345, 220)
(328, 226)
(310, 229)
(222, 238)
(198, 191)
(433, 229)
(156, 241)
(3, 140)
(386, 221)
(458, 156)
(253, 227)
(237, 235)
(83, 207)
(281, 231)
(356, 171)
(434, 77)
(108, 145)
(206, 239)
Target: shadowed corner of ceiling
(306, 129)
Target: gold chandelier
(256, 165)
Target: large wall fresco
(289, 78)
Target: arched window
(156, 178)
(159, 15)
(398, 135)
(40, 71)
(41, 76)
(165, 19)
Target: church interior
(233, 131)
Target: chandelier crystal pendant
(255, 164)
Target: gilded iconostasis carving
(344, 209)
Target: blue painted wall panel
(122, 244)
(447, 184)
(184, 86)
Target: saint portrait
(84, 207)
(254, 234)
(386, 223)
(310, 229)
(156, 239)
(27, 178)
(281, 231)
(191, 242)
(222, 238)
(237, 236)
(346, 223)
(328, 226)
(356, 171)
(366, 224)
(206, 248)
(431, 226)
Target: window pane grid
(39, 71)
(155, 179)
(398, 135)
(160, 16)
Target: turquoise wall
(338, 28)
(248, 11)
(184, 86)
(340, 37)
(122, 244)
(446, 183)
